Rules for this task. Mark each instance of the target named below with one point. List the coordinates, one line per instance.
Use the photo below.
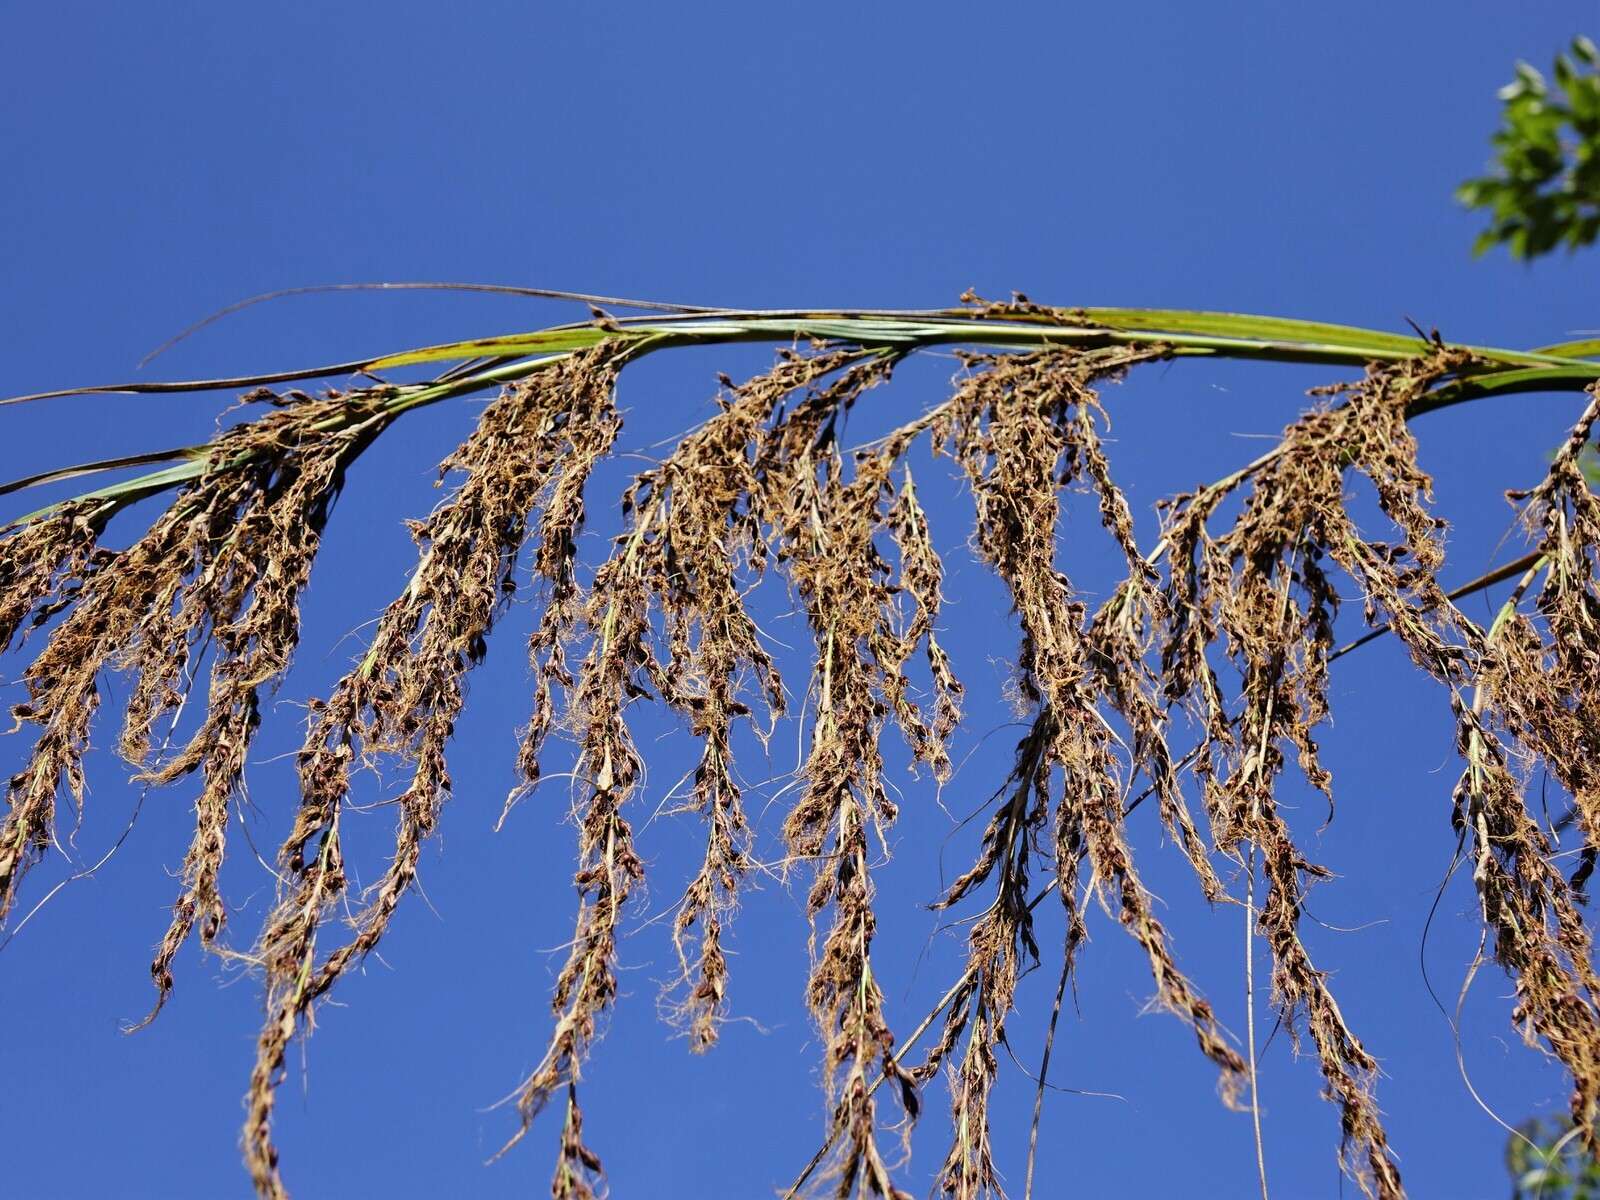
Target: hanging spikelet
(702, 501)
(1265, 589)
(225, 563)
(1001, 943)
(1535, 701)
(403, 698)
(1021, 427)
(824, 526)
(45, 563)
(1235, 625)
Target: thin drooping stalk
(1044, 1076)
(1250, 1020)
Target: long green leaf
(518, 345)
(1249, 327)
(60, 474)
(1506, 383)
(1586, 348)
(1186, 332)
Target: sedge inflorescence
(1224, 625)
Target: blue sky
(1292, 159)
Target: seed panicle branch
(1233, 626)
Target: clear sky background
(164, 160)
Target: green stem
(1184, 333)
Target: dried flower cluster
(1233, 627)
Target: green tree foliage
(1548, 1162)
(1544, 187)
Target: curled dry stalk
(763, 485)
